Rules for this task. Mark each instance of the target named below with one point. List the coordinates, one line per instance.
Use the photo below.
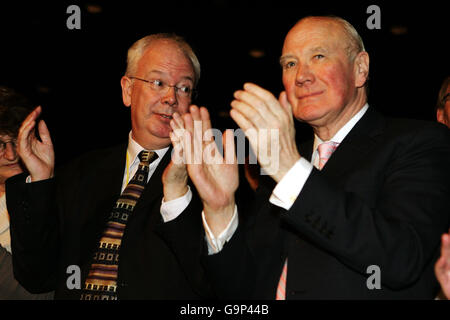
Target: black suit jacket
(57, 223)
(382, 199)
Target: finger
(206, 124)
(188, 122)
(199, 125)
(229, 152)
(258, 91)
(177, 121)
(177, 125)
(206, 120)
(270, 100)
(195, 112)
(44, 133)
(178, 151)
(259, 105)
(33, 115)
(445, 247)
(188, 147)
(249, 130)
(174, 139)
(194, 143)
(25, 137)
(241, 119)
(251, 114)
(439, 268)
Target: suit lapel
(305, 149)
(359, 141)
(101, 191)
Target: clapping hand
(442, 267)
(214, 176)
(38, 156)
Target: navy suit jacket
(381, 200)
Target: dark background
(75, 74)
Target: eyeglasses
(3, 145)
(160, 86)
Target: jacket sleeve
(34, 232)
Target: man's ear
(361, 69)
(440, 116)
(126, 84)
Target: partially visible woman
(13, 110)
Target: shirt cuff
(215, 245)
(287, 190)
(170, 210)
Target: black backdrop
(75, 74)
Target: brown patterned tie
(101, 282)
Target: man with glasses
(13, 110)
(101, 213)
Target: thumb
(285, 103)
(44, 133)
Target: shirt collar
(135, 148)
(343, 132)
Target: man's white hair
(138, 49)
(355, 42)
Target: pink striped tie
(325, 149)
(281, 289)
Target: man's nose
(10, 151)
(170, 97)
(304, 76)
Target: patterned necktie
(101, 282)
(325, 149)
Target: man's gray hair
(138, 49)
(355, 42)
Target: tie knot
(326, 149)
(147, 156)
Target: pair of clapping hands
(214, 175)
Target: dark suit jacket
(57, 223)
(382, 199)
